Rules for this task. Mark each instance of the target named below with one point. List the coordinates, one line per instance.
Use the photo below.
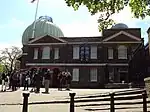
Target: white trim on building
(75, 64)
(78, 43)
(125, 33)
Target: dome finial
(46, 18)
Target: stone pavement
(55, 95)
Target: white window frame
(36, 51)
(93, 52)
(46, 52)
(76, 51)
(122, 52)
(56, 53)
(110, 53)
(93, 74)
(75, 74)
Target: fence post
(25, 102)
(144, 102)
(112, 105)
(72, 101)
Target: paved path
(55, 95)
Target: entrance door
(123, 77)
(56, 71)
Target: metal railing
(111, 97)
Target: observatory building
(93, 62)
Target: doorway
(56, 71)
(123, 77)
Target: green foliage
(106, 8)
(1, 68)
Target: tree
(2, 68)
(107, 8)
(9, 57)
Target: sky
(18, 14)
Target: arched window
(46, 53)
(122, 52)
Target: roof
(82, 39)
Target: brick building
(92, 61)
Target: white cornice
(125, 33)
(78, 43)
(31, 41)
(76, 64)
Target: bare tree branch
(9, 57)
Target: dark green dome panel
(44, 26)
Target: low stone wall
(117, 85)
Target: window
(110, 53)
(56, 53)
(87, 53)
(82, 53)
(46, 53)
(75, 52)
(122, 52)
(111, 75)
(93, 52)
(35, 53)
(75, 74)
(93, 75)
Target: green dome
(44, 26)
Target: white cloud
(77, 28)
(90, 26)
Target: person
(6, 81)
(27, 81)
(33, 80)
(59, 78)
(14, 81)
(10, 80)
(38, 80)
(68, 79)
(20, 79)
(47, 77)
(3, 81)
(63, 79)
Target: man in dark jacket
(38, 80)
(47, 77)
(68, 79)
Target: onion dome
(44, 26)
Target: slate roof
(82, 39)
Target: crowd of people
(35, 78)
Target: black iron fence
(111, 97)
